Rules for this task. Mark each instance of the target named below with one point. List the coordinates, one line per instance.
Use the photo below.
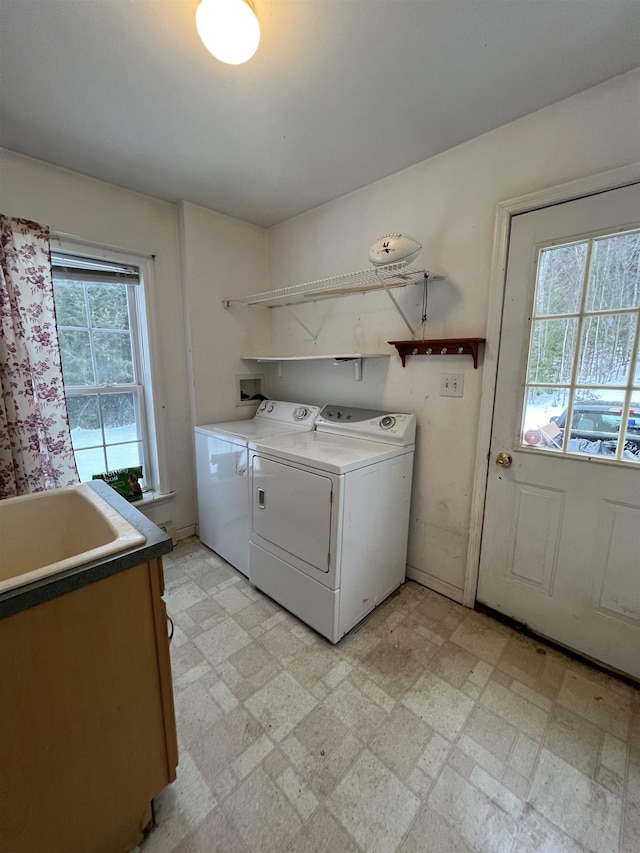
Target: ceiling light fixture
(229, 29)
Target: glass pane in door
(605, 349)
(551, 355)
(583, 369)
(561, 271)
(614, 280)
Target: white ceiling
(340, 93)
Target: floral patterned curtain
(35, 441)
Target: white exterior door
(561, 537)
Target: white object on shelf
(392, 248)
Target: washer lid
(272, 418)
(328, 452)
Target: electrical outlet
(451, 384)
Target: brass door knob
(504, 460)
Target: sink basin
(49, 532)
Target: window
(584, 352)
(101, 325)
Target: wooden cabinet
(87, 725)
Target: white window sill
(152, 498)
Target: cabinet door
(86, 696)
(292, 509)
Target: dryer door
(292, 510)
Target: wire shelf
(376, 278)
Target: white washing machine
(222, 474)
(330, 515)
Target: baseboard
(185, 532)
(434, 583)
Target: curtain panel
(35, 442)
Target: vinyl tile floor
(428, 728)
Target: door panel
(292, 510)
(561, 536)
(534, 533)
(616, 562)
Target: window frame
(627, 391)
(140, 306)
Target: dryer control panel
(371, 424)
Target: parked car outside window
(601, 422)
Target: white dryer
(222, 474)
(330, 515)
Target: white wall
(92, 210)
(221, 258)
(449, 204)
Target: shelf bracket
(313, 337)
(357, 362)
(396, 303)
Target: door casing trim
(591, 185)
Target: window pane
(595, 425)
(70, 305)
(114, 359)
(124, 456)
(606, 349)
(120, 417)
(560, 278)
(77, 365)
(90, 462)
(84, 420)
(633, 424)
(552, 349)
(108, 306)
(542, 407)
(614, 281)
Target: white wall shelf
(349, 356)
(340, 358)
(375, 278)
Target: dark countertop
(158, 543)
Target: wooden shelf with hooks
(439, 346)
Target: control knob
(387, 422)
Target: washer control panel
(371, 424)
(287, 413)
